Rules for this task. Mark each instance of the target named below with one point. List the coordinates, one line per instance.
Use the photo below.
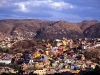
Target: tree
(14, 66)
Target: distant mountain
(32, 28)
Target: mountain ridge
(30, 28)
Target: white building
(5, 61)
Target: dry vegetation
(29, 28)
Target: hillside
(93, 31)
(30, 28)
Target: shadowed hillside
(93, 31)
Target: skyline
(54, 10)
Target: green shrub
(14, 66)
(2, 64)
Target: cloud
(21, 7)
(70, 10)
(3, 3)
(61, 5)
(26, 6)
(29, 5)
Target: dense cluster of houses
(56, 56)
(7, 42)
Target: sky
(53, 10)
